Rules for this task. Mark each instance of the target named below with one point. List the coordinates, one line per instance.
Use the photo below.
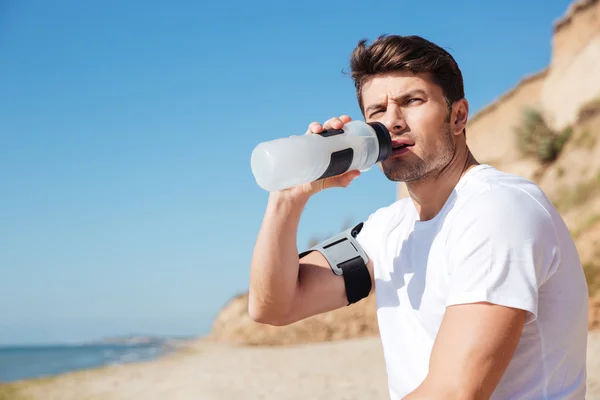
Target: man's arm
(472, 350)
(283, 289)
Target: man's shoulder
(503, 207)
(491, 190)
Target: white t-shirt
(497, 239)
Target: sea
(26, 362)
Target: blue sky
(127, 202)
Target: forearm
(430, 391)
(274, 267)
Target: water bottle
(283, 163)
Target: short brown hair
(391, 53)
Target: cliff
(570, 81)
(567, 95)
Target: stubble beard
(413, 168)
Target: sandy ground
(329, 371)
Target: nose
(395, 122)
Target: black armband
(347, 258)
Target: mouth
(400, 148)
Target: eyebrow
(401, 97)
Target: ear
(460, 116)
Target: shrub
(535, 138)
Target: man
(479, 288)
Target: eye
(413, 100)
(379, 111)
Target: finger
(345, 119)
(342, 180)
(314, 127)
(333, 123)
(346, 178)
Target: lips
(400, 144)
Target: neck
(430, 193)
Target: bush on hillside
(536, 139)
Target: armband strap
(347, 258)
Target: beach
(340, 370)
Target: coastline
(209, 370)
(347, 369)
(37, 361)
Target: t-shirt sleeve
(502, 248)
(368, 237)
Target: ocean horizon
(20, 362)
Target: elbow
(263, 314)
(260, 315)
(266, 319)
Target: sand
(352, 369)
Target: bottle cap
(384, 139)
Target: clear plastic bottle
(283, 163)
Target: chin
(400, 171)
(398, 175)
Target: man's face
(416, 113)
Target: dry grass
(589, 222)
(585, 140)
(577, 195)
(592, 274)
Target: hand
(342, 180)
